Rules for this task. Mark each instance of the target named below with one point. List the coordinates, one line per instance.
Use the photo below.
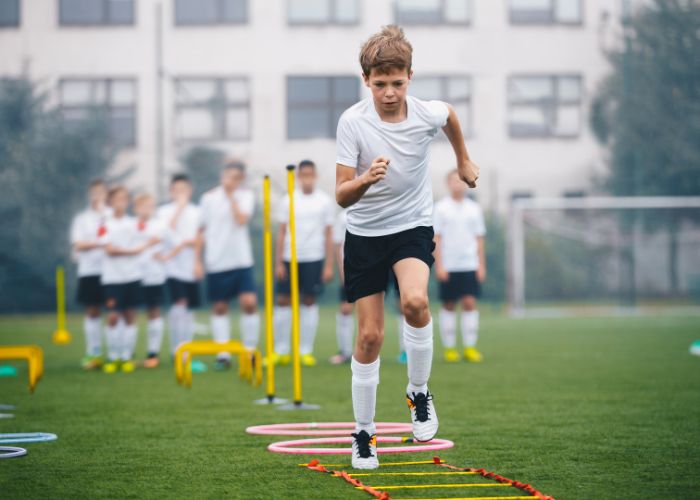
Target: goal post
(603, 255)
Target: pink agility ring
(324, 429)
(292, 446)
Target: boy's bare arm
(198, 246)
(481, 249)
(349, 188)
(440, 272)
(280, 270)
(328, 265)
(468, 170)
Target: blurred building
(265, 80)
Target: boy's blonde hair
(389, 49)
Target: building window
(210, 109)
(433, 11)
(96, 12)
(323, 12)
(544, 106)
(315, 103)
(115, 98)
(9, 13)
(455, 90)
(545, 12)
(208, 12)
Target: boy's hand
(469, 173)
(441, 274)
(377, 171)
(281, 271)
(327, 273)
(198, 270)
(481, 274)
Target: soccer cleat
(151, 361)
(472, 355)
(308, 360)
(222, 364)
(402, 358)
(451, 355)
(111, 367)
(197, 366)
(91, 362)
(339, 359)
(423, 416)
(364, 451)
(128, 366)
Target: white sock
(93, 336)
(419, 355)
(175, 326)
(155, 335)
(250, 329)
(448, 328)
(129, 337)
(365, 378)
(221, 331)
(308, 325)
(470, 328)
(114, 341)
(188, 325)
(400, 320)
(344, 329)
(283, 326)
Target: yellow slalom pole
(269, 332)
(61, 336)
(294, 290)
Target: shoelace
(363, 440)
(420, 405)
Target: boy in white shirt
(313, 212)
(153, 274)
(181, 220)
(121, 281)
(460, 267)
(344, 320)
(382, 175)
(86, 230)
(228, 257)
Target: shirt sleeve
(439, 111)
(480, 229)
(437, 220)
(346, 143)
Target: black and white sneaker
(364, 450)
(423, 416)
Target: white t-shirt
(227, 243)
(459, 224)
(313, 214)
(152, 270)
(123, 233)
(87, 227)
(404, 199)
(181, 266)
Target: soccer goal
(604, 255)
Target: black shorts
(459, 284)
(90, 291)
(229, 284)
(122, 296)
(310, 279)
(368, 259)
(188, 290)
(342, 296)
(152, 295)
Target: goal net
(603, 255)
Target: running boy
(460, 266)
(85, 233)
(313, 212)
(382, 175)
(225, 213)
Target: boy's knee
(414, 304)
(370, 339)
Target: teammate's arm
(349, 188)
(440, 272)
(328, 265)
(239, 215)
(280, 270)
(198, 246)
(468, 171)
(481, 250)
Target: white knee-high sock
(470, 328)
(114, 341)
(155, 335)
(419, 355)
(221, 331)
(250, 329)
(175, 326)
(400, 320)
(283, 325)
(365, 378)
(93, 336)
(448, 328)
(344, 329)
(188, 325)
(308, 322)
(129, 337)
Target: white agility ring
(27, 437)
(11, 452)
(324, 429)
(297, 447)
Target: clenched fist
(377, 171)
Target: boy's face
(456, 186)
(120, 201)
(231, 178)
(98, 195)
(307, 179)
(144, 208)
(180, 192)
(389, 90)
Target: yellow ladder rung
(422, 486)
(469, 498)
(453, 473)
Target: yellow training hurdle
(249, 360)
(34, 356)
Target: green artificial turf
(579, 408)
